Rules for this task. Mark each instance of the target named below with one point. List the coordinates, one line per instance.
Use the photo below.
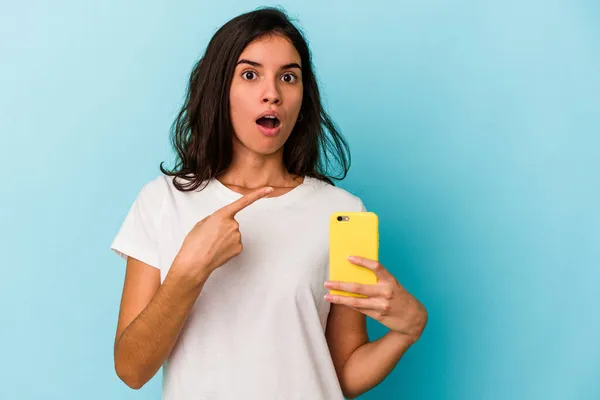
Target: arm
(360, 365)
(150, 319)
(152, 315)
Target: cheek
(238, 108)
(295, 98)
(235, 102)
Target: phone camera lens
(339, 218)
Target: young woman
(227, 254)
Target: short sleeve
(362, 207)
(138, 235)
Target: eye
(289, 77)
(249, 75)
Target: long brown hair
(202, 133)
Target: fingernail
(269, 190)
(328, 284)
(327, 297)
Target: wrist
(186, 274)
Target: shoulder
(155, 189)
(336, 196)
(154, 194)
(162, 186)
(162, 191)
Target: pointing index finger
(245, 201)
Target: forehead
(272, 50)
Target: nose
(271, 93)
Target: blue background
(475, 135)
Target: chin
(264, 145)
(266, 150)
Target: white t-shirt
(256, 331)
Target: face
(266, 94)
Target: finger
(358, 288)
(373, 265)
(367, 312)
(245, 201)
(378, 309)
(356, 302)
(379, 305)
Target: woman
(227, 253)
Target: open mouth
(268, 121)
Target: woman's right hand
(214, 240)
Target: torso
(257, 329)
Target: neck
(252, 170)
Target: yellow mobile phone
(352, 234)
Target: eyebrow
(257, 65)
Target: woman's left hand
(386, 301)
